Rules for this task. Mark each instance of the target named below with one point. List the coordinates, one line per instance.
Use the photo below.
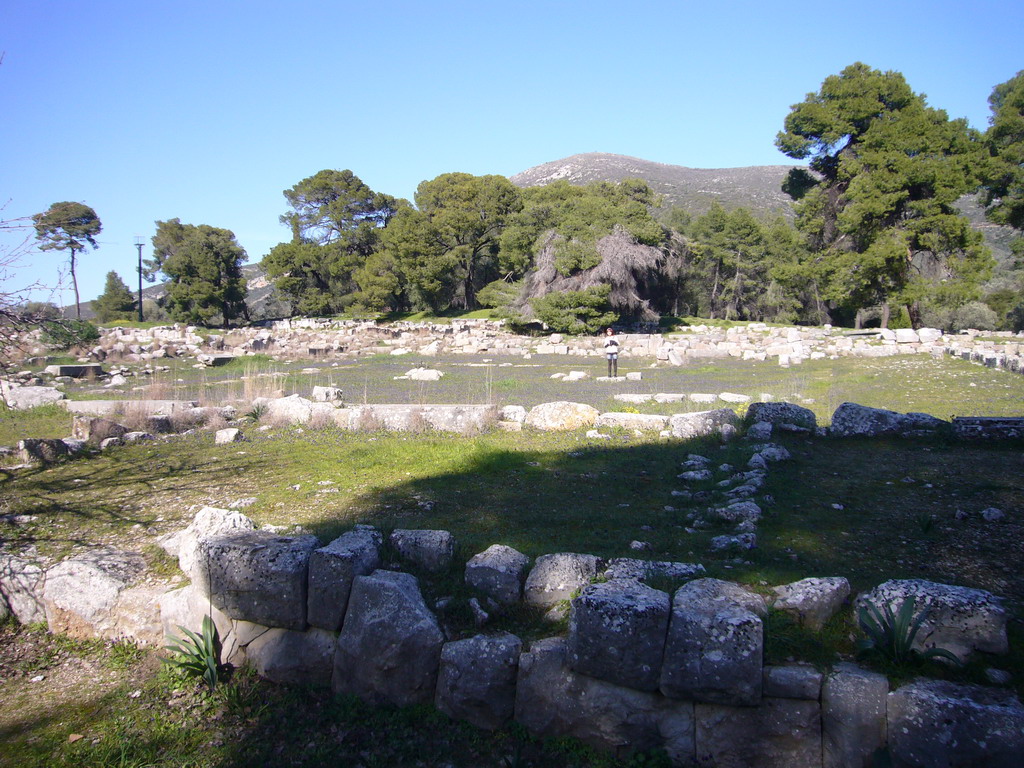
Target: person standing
(611, 351)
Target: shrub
(576, 312)
(65, 334)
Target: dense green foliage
(1004, 173)
(68, 227)
(584, 311)
(62, 335)
(203, 264)
(879, 214)
(336, 221)
(116, 302)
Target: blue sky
(206, 111)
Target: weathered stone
(958, 619)
(91, 595)
(715, 643)
(561, 415)
(793, 681)
(852, 420)
(42, 450)
(853, 704)
(555, 577)
(631, 421)
(782, 413)
(617, 633)
(812, 601)
(208, 523)
(76, 371)
(424, 374)
(327, 394)
(498, 573)
(23, 398)
(770, 452)
(476, 681)
(686, 426)
(741, 542)
(759, 430)
(257, 576)
(110, 442)
(21, 588)
(780, 733)
(732, 397)
(738, 512)
(227, 436)
(642, 570)
(937, 723)
(333, 568)
(95, 430)
(433, 551)
(515, 413)
(552, 701)
(390, 647)
(294, 658)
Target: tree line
(876, 235)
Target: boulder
(631, 421)
(686, 426)
(552, 701)
(780, 414)
(332, 570)
(498, 573)
(95, 430)
(227, 436)
(738, 512)
(476, 681)
(514, 413)
(617, 633)
(433, 551)
(424, 374)
(715, 642)
(938, 723)
(293, 410)
(257, 576)
(812, 601)
(293, 658)
(42, 450)
(21, 588)
(853, 720)
(390, 646)
(778, 733)
(327, 394)
(556, 577)
(759, 430)
(959, 619)
(852, 420)
(741, 542)
(561, 415)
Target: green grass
(50, 421)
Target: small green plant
(925, 521)
(196, 655)
(256, 413)
(892, 635)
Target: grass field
(865, 509)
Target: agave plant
(892, 634)
(196, 655)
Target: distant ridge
(757, 187)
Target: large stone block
(498, 573)
(686, 426)
(632, 421)
(41, 449)
(332, 570)
(95, 430)
(788, 414)
(556, 577)
(780, 733)
(561, 415)
(617, 633)
(853, 722)
(294, 658)
(257, 576)
(390, 646)
(552, 701)
(21, 588)
(812, 601)
(715, 645)
(642, 570)
(476, 681)
(433, 551)
(208, 523)
(960, 619)
(937, 724)
(853, 420)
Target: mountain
(757, 187)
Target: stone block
(498, 573)
(561, 415)
(780, 733)
(642, 570)
(556, 577)
(94, 430)
(21, 588)
(293, 658)
(853, 719)
(631, 421)
(257, 576)
(476, 681)
(686, 426)
(617, 633)
(812, 601)
(782, 413)
(792, 681)
(390, 646)
(552, 701)
(41, 450)
(433, 551)
(333, 568)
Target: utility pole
(138, 244)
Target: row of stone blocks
(637, 671)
